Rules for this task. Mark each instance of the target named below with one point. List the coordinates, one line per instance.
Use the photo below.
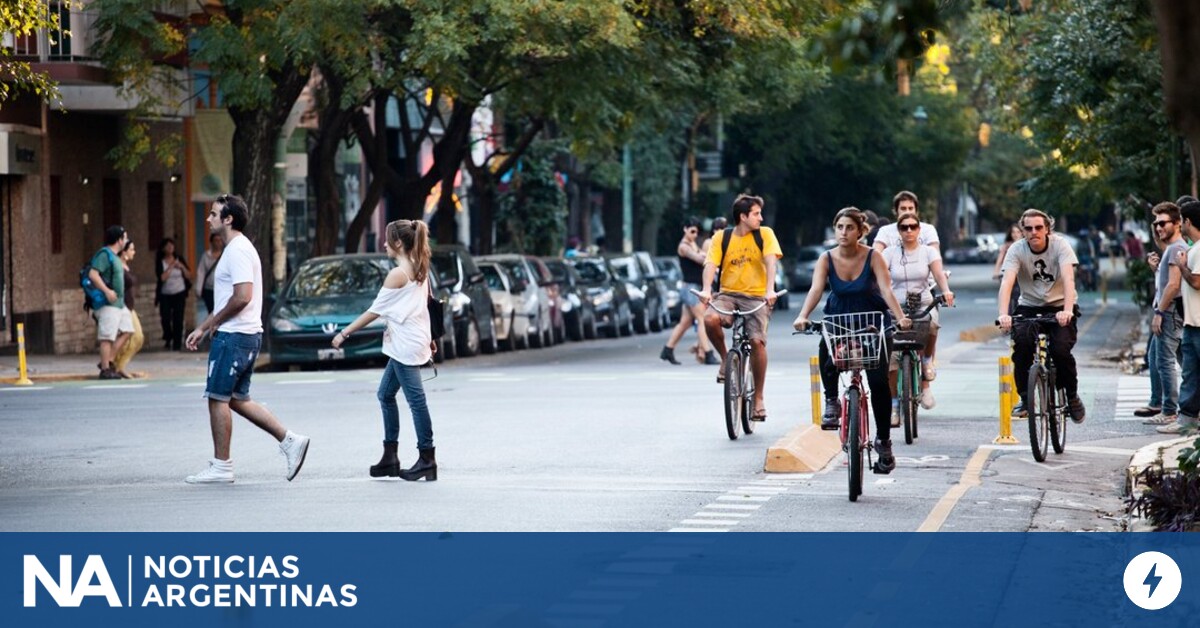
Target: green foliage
(533, 212)
(1140, 278)
(853, 143)
(874, 34)
(25, 18)
(1170, 500)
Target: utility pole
(626, 200)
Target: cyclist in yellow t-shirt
(747, 266)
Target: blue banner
(580, 580)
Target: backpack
(758, 239)
(93, 296)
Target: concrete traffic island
(805, 449)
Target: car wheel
(589, 331)
(535, 338)
(575, 327)
(450, 345)
(488, 345)
(468, 342)
(439, 356)
(642, 323)
(627, 329)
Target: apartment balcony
(83, 82)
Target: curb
(983, 333)
(1159, 453)
(805, 449)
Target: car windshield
(446, 268)
(517, 270)
(491, 275)
(591, 271)
(558, 270)
(624, 268)
(335, 278)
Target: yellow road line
(970, 478)
(1095, 317)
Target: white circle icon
(1152, 580)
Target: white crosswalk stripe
(1133, 392)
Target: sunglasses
(909, 227)
(1029, 229)
(1162, 223)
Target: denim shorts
(230, 365)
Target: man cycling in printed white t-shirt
(905, 203)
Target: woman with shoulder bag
(403, 303)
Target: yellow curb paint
(806, 449)
(969, 479)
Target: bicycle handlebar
(737, 312)
(1036, 318)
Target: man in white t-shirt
(1189, 269)
(906, 202)
(1044, 265)
(903, 203)
(237, 288)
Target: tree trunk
(334, 122)
(254, 137)
(1178, 32)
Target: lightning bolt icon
(1152, 580)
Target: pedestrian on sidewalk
(1189, 269)
(1166, 326)
(402, 303)
(134, 344)
(237, 337)
(691, 262)
(114, 325)
(170, 294)
(204, 271)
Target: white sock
(223, 464)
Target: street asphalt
(592, 436)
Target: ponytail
(413, 235)
(420, 253)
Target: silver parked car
(515, 306)
(531, 286)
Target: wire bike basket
(854, 340)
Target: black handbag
(437, 317)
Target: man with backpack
(745, 255)
(114, 324)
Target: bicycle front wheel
(1038, 405)
(1058, 423)
(734, 405)
(906, 386)
(747, 396)
(854, 451)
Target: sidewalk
(147, 364)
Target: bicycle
(909, 343)
(739, 377)
(855, 343)
(1047, 412)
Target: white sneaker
(895, 416)
(218, 472)
(294, 447)
(927, 400)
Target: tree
(1179, 30)
(24, 19)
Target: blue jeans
(1189, 407)
(1164, 348)
(395, 377)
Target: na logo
(93, 581)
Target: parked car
(781, 283)
(515, 306)
(558, 323)
(579, 314)
(609, 295)
(647, 293)
(541, 331)
(978, 249)
(672, 274)
(324, 295)
(470, 300)
(806, 263)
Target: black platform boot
(426, 467)
(668, 354)
(389, 464)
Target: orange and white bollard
(814, 376)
